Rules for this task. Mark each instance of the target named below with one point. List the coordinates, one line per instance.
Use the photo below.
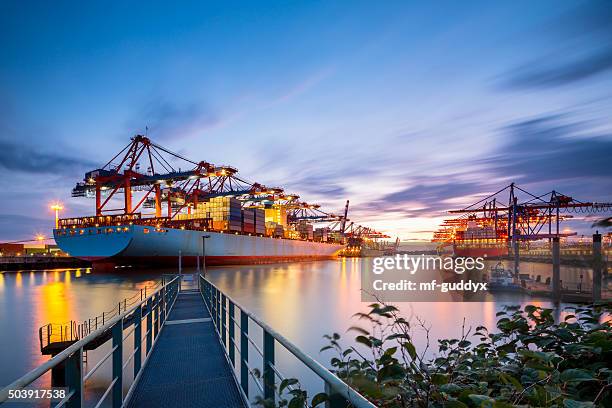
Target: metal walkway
(181, 357)
(188, 366)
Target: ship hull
(145, 245)
(480, 251)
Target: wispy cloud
(168, 119)
(544, 153)
(23, 158)
(303, 85)
(551, 148)
(582, 50)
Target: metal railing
(223, 311)
(74, 330)
(153, 309)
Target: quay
(192, 346)
(38, 261)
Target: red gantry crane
(173, 184)
(522, 216)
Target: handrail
(80, 329)
(335, 384)
(160, 303)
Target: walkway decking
(187, 367)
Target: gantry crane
(532, 218)
(157, 172)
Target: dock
(193, 346)
(39, 262)
(188, 348)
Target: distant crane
(535, 217)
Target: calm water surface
(302, 301)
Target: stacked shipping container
(305, 230)
(321, 234)
(248, 220)
(260, 221)
(225, 213)
(254, 221)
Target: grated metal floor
(187, 367)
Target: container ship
(480, 240)
(490, 227)
(204, 214)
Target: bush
(529, 361)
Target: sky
(408, 109)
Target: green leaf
(319, 399)
(390, 372)
(450, 388)
(359, 330)
(363, 340)
(464, 343)
(576, 375)
(481, 400)
(439, 379)
(297, 402)
(410, 349)
(286, 383)
(454, 404)
(568, 403)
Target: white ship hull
(138, 244)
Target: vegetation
(528, 361)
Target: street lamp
(57, 207)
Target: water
(302, 301)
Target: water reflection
(302, 301)
(307, 300)
(30, 299)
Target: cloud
(19, 157)
(551, 148)
(428, 198)
(566, 72)
(603, 223)
(304, 85)
(546, 152)
(14, 227)
(166, 119)
(317, 185)
(582, 50)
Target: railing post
(232, 342)
(335, 400)
(74, 378)
(118, 364)
(218, 310)
(223, 320)
(244, 352)
(137, 339)
(597, 267)
(208, 295)
(149, 324)
(268, 362)
(163, 305)
(556, 275)
(156, 316)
